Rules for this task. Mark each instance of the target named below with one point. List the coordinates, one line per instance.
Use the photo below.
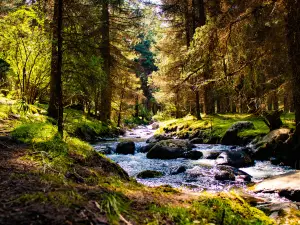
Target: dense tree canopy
(122, 60)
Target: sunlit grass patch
(217, 125)
(57, 198)
(211, 209)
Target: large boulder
(125, 148)
(169, 149)
(194, 155)
(146, 148)
(271, 145)
(176, 143)
(286, 185)
(231, 136)
(235, 158)
(163, 152)
(149, 174)
(157, 138)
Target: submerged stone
(179, 170)
(125, 148)
(149, 174)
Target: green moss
(77, 120)
(211, 209)
(57, 198)
(79, 147)
(35, 132)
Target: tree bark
(55, 109)
(136, 107)
(106, 92)
(198, 115)
(293, 40)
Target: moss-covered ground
(216, 125)
(49, 179)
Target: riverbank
(212, 128)
(46, 179)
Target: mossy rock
(176, 143)
(149, 174)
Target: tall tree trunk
(286, 103)
(198, 115)
(55, 109)
(120, 109)
(219, 105)
(177, 115)
(293, 40)
(199, 20)
(188, 25)
(136, 107)
(106, 92)
(275, 101)
(201, 12)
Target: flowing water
(199, 174)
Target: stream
(199, 175)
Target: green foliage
(48, 146)
(25, 45)
(23, 106)
(214, 126)
(224, 209)
(58, 198)
(75, 120)
(113, 205)
(162, 116)
(131, 122)
(35, 132)
(147, 56)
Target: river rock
(270, 145)
(146, 148)
(197, 141)
(231, 136)
(177, 143)
(195, 172)
(155, 126)
(235, 158)
(211, 154)
(157, 138)
(224, 176)
(164, 152)
(106, 150)
(149, 174)
(169, 149)
(125, 148)
(286, 185)
(179, 170)
(281, 212)
(224, 172)
(194, 155)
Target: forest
(149, 112)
